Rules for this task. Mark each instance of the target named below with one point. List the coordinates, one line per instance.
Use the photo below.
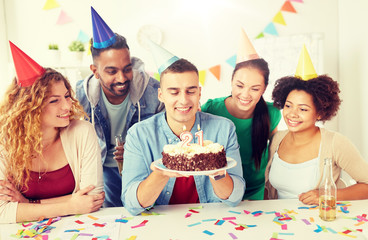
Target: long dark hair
(261, 118)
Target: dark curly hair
(323, 89)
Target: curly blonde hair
(20, 123)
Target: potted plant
(77, 47)
(54, 54)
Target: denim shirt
(143, 97)
(144, 144)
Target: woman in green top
(255, 120)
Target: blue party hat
(103, 37)
(163, 58)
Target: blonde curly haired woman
(50, 161)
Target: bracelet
(34, 200)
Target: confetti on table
(188, 215)
(311, 219)
(284, 226)
(79, 222)
(246, 212)
(229, 218)
(99, 224)
(306, 221)
(359, 223)
(347, 235)
(194, 224)
(121, 220)
(208, 232)
(199, 207)
(331, 230)
(283, 233)
(219, 222)
(344, 209)
(234, 212)
(193, 211)
(233, 236)
(92, 217)
(132, 238)
(233, 223)
(209, 220)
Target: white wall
(206, 32)
(353, 62)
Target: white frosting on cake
(192, 149)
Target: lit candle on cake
(185, 137)
(199, 135)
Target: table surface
(200, 221)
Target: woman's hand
(8, 192)
(82, 203)
(310, 197)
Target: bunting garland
(64, 18)
(270, 29)
(279, 18)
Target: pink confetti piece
(284, 226)
(277, 214)
(246, 212)
(229, 218)
(233, 223)
(137, 226)
(233, 236)
(257, 214)
(26, 225)
(188, 215)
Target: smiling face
(114, 70)
(180, 92)
(247, 87)
(299, 111)
(58, 103)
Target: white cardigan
(83, 154)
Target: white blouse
(290, 180)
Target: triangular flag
(89, 49)
(301, 1)
(305, 69)
(279, 19)
(202, 77)
(232, 61)
(216, 71)
(83, 37)
(63, 18)
(288, 7)
(156, 75)
(50, 4)
(261, 35)
(270, 29)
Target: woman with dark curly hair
(296, 155)
(50, 160)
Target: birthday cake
(194, 157)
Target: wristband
(34, 200)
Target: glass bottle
(327, 193)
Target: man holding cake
(143, 183)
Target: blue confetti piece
(194, 224)
(121, 220)
(209, 220)
(208, 232)
(286, 234)
(220, 222)
(235, 212)
(331, 230)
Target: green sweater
(254, 179)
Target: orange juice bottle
(327, 193)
